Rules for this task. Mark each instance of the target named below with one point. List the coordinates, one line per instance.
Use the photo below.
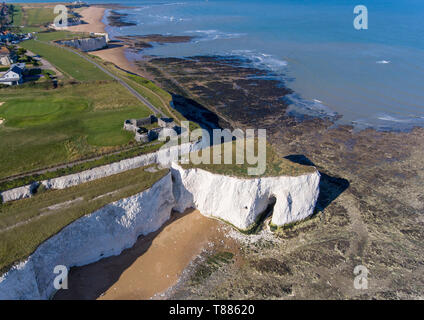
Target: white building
(14, 75)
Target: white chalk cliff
(242, 201)
(104, 233)
(117, 226)
(86, 44)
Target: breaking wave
(262, 60)
(390, 122)
(298, 106)
(210, 35)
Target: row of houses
(13, 76)
(8, 37)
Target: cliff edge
(241, 201)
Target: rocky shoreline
(116, 19)
(138, 43)
(370, 209)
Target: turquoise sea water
(370, 77)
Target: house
(14, 75)
(6, 57)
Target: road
(122, 82)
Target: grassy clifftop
(25, 224)
(67, 62)
(275, 164)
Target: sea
(371, 77)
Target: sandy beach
(116, 54)
(93, 17)
(151, 266)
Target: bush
(22, 51)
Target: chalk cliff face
(101, 234)
(241, 201)
(117, 226)
(87, 44)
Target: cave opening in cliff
(266, 214)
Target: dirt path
(150, 267)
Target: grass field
(17, 16)
(38, 16)
(31, 221)
(79, 167)
(46, 127)
(275, 165)
(67, 62)
(59, 35)
(155, 94)
(32, 17)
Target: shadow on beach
(91, 281)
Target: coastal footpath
(116, 227)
